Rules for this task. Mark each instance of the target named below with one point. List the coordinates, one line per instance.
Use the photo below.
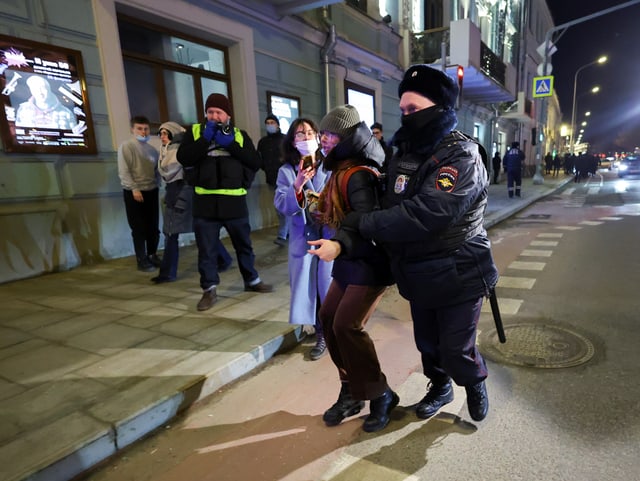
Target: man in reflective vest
(220, 161)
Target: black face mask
(416, 122)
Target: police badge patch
(400, 184)
(446, 178)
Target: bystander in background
(224, 161)
(137, 169)
(270, 149)
(300, 180)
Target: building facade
(161, 59)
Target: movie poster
(45, 107)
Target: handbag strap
(344, 181)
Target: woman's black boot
(344, 407)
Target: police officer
(512, 162)
(431, 225)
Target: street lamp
(601, 60)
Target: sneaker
(280, 241)
(344, 407)
(319, 350)
(437, 396)
(260, 287)
(380, 408)
(207, 300)
(477, 401)
(145, 265)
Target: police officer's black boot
(437, 396)
(477, 401)
(344, 407)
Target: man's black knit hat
(431, 83)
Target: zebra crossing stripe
(516, 282)
(527, 266)
(568, 227)
(536, 253)
(551, 235)
(507, 306)
(543, 243)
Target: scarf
(331, 205)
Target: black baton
(495, 310)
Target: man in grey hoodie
(137, 169)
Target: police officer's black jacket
(432, 220)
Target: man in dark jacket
(431, 225)
(496, 164)
(270, 148)
(512, 161)
(222, 161)
(378, 133)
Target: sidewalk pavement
(95, 358)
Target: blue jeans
(169, 266)
(171, 255)
(207, 233)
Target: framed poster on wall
(285, 107)
(45, 106)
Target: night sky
(614, 124)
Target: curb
(107, 440)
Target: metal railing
(426, 47)
(491, 64)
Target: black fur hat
(431, 83)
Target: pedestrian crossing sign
(543, 86)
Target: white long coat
(309, 277)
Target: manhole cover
(537, 345)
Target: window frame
(160, 65)
(349, 85)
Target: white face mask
(307, 147)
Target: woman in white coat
(302, 174)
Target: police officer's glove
(351, 221)
(222, 139)
(210, 130)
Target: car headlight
(623, 167)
